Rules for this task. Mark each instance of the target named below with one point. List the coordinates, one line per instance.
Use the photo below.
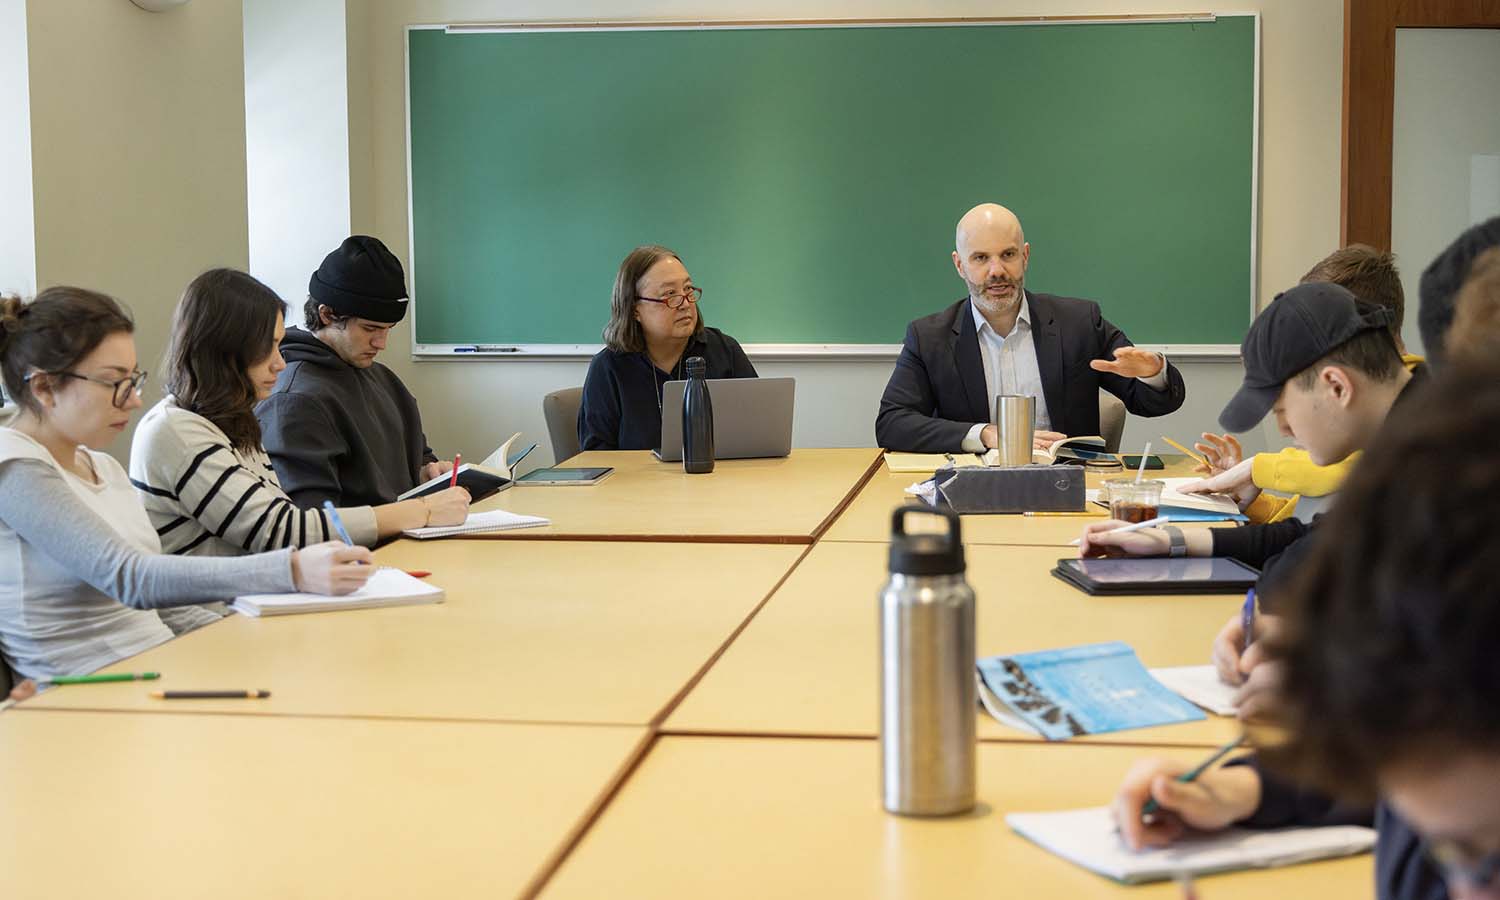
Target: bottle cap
(926, 554)
(695, 366)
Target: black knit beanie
(362, 279)
(1441, 280)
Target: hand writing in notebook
(1216, 800)
(331, 568)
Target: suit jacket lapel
(970, 366)
(1049, 362)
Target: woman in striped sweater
(197, 458)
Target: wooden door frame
(1370, 102)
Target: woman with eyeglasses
(654, 325)
(197, 459)
(83, 582)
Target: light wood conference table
(531, 631)
(808, 663)
(868, 516)
(754, 818)
(191, 806)
(790, 500)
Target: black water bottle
(697, 420)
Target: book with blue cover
(1091, 689)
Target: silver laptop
(752, 417)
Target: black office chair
(7, 680)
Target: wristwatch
(1179, 542)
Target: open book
(1089, 838)
(1173, 500)
(1091, 689)
(494, 474)
(1084, 448)
(386, 587)
(1087, 449)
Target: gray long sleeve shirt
(75, 593)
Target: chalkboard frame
(820, 351)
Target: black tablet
(1158, 575)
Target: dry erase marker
(1152, 807)
(210, 695)
(483, 349)
(101, 679)
(458, 459)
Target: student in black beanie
(340, 426)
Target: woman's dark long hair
(224, 324)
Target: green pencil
(1152, 807)
(100, 679)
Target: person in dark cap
(338, 425)
(1325, 363)
(1441, 281)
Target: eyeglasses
(122, 388)
(1461, 866)
(677, 301)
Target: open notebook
(494, 520)
(386, 587)
(1088, 837)
(1199, 685)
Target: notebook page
(1088, 837)
(1200, 685)
(494, 520)
(386, 586)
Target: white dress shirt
(1010, 367)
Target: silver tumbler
(1015, 417)
(927, 687)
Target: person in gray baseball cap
(1325, 364)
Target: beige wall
(1301, 84)
(138, 149)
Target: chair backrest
(1111, 420)
(560, 409)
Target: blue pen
(338, 524)
(1247, 620)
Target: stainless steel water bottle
(697, 420)
(927, 689)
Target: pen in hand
(1151, 807)
(458, 459)
(338, 524)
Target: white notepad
(386, 587)
(1199, 685)
(494, 520)
(1087, 837)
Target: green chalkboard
(811, 178)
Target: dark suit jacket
(937, 391)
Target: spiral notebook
(1088, 837)
(386, 587)
(494, 520)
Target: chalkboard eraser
(480, 348)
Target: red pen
(457, 459)
(418, 573)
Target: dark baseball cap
(1300, 327)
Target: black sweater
(341, 433)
